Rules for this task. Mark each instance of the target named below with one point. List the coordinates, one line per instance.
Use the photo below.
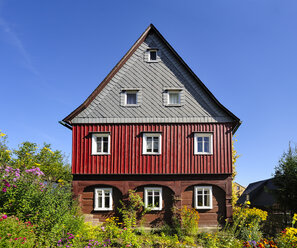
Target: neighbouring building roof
(259, 194)
(151, 80)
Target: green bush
(49, 207)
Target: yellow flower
(248, 202)
(37, 164)
(8, 151)
(2, 134)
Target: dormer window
(173, 97)
(152, 55)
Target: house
(260, 195)
(239, 189)
(152, 126)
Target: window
(103, 199)
(100, 143)
(173, 97)
(203, 143)
(131, 97)
(152, 55)
(153, 198)
(151, 143)
(203, 197)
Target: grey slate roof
(260, 193)
(152, 80)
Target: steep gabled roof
(82, 111)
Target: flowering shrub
(287, 238)
(15, 233)
(25, 194)
(247, 223)
(189, 218)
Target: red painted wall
(177, 150)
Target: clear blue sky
(54, 53)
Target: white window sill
(102, 209)
(151, 153)
(100, 153)
(203, 153)
(173, 105)
(203, 207)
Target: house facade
(152, 126)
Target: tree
(285, 178)
(28, 155)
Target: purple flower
(4, 216)
(4, 190)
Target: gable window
(152, 55)
(153, 198)
(151, 143)
(203, 197)
(131, 97)
(103, 199)
(203, 143)
(173, 97)
(100, 143)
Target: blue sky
(53, 54)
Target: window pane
(149, 144)
(156, 144)
(106, 200)
(199, 146)
(153, 55)
(99, 144)
(131, 98)
(174, 98)
(99, 199)
(150, 200)
(105, 145)
(206, 147)
(157, 201)
(199, 198)
(206, 200)
(157, 193)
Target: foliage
(235, 156)
(247, 222)
(220, 239)
(285, 178)
(186, 221)
(52, 163)
(28, 155)
(132, 209)
(15, 233)
(49, 207)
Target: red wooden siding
(177, 150)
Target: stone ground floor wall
(177, 191)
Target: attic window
(131, 97)
(173, 97)
(153, 55)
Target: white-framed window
(152, 55)
(203, 197)
(173, 97)
(151, 143)
(100, 143)
(103, 199)
(153, 198)
(131, 97)
(203, 143)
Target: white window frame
(126, 98)
(210, 135)
(144, 143)
(196, 188)
(94, 143)
(149, 55)
(173, 91)
(146, 189)
(103, 208)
